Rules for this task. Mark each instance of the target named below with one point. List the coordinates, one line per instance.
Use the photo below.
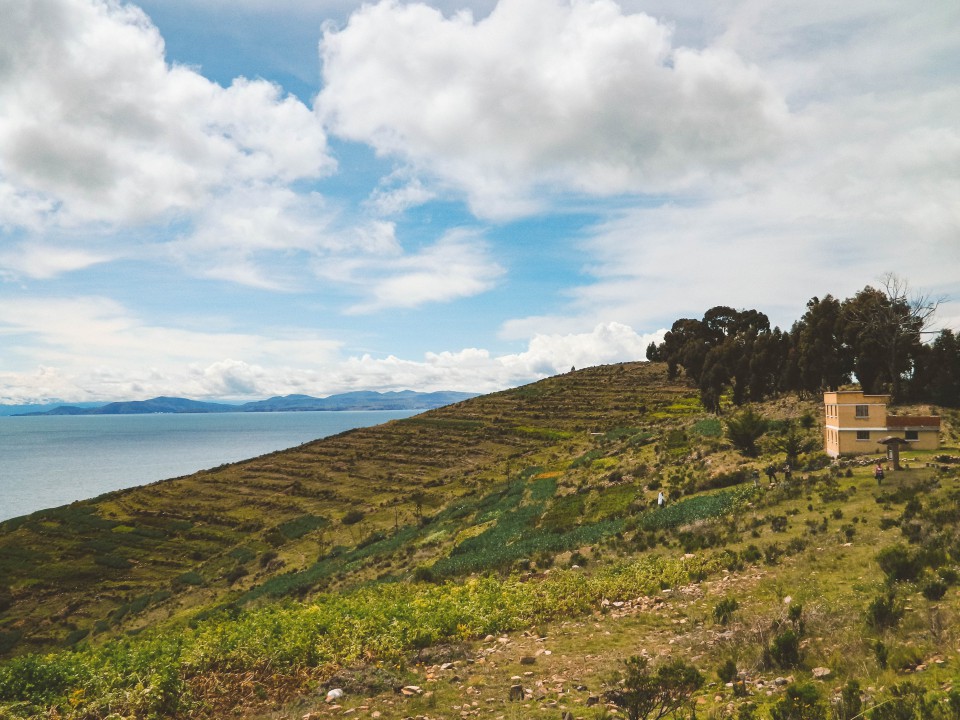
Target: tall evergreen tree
(824, 360)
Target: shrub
(881, 654)
(934, 589)
(298, 527)
(800, 702)
(772, 553)
(751, 553)
(848, 704)
(116, 562)
(898, 563)
(795, 616)
(723, 610)
(744, 429)
(352, 517)
(785, 649)
(884, 611)
(9, 640)
(187, 578)
(235, 574)
(727, 672)
(796, 545)
(643, 693)
(424, 573)
(906, 702)
(948, 574)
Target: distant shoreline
(351, 401)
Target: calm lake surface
(51, 461)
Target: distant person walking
(660, 499)
(878, 473)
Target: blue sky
(232, 200)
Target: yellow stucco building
(855, 423)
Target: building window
(863, 434)
(911, 435)
(863, 411)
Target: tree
(418, 498)
(726, 349)
(936, 376)
(885, 328)
(744, 429)
(644, 694)
(793, 441)
(824, 360)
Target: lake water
(51, 461)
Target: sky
(231, 200)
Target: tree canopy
(877, 336)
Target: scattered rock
(593, 700)
(821, 673)
(516, 693)
(410, 690)
(528, 660)
(334, 695)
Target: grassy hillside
(441, 550)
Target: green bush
(848, 705)
(785, 649)
(906, 702)
(644, 693)
(884, 611)
(116, 562)
(881, 654)
(9, 640)
(898, 563)
(744, 430)
(298, 527)
(727, 672)
(187, 579)
(934, 589)
(800, 702)
(723, 610)
(235, 574)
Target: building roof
(913, 422)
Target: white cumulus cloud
(570, 94)
(96, 126)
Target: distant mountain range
(359, 400)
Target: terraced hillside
(236, 532)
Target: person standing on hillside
(660, 499)
(878, 472)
